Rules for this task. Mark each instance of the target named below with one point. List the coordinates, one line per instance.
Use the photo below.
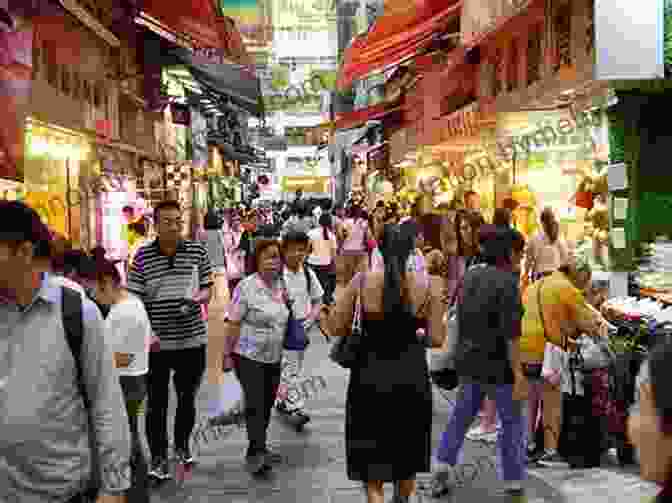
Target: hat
(20, 222)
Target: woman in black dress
(389, 401)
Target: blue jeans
(511, 439)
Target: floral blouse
(263, 317)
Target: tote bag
(347, 351)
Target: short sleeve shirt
(263, 317)
(299, 293)
(163, 283)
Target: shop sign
(16, 61)
(630, 39)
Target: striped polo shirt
(163, 282)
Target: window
(66, 87)
(534, 56)
(563, 35)
(76, 85)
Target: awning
(194, 18)
(395, 37)
(234, 81)
(357, 118)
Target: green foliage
(280, 77)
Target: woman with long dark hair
(392, 380)
(323, 255)
(547, 251)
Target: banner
(16, 65)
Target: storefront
(56, 160)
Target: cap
(19, 222)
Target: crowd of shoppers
(227, 300)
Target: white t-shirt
(130, 332)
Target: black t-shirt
(489, 309)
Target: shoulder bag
(532, 370)
(442, 363)
(347, 351)
(296, 338)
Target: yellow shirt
(563, 305)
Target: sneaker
(440, 484)
(257, 464)
(184, 456)
(272, 457)
(551, 458)
(224, 419)
(475, 433)
(488, 438)
(159, 469)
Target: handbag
(532, 370)
(296, 338)
(347, 351)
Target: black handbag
(347, 351)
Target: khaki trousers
(552, 415)
(217, 329)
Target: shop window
(51, 66)
(562, 26)
(86, 91)
(534, 56)
(66, 87)
(76, 85)
(514, 58)
(37, 60)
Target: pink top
(357, 231)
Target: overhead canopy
(357, 118)
(396, 36)
(194, 18)
(234, 82)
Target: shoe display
(159, 469)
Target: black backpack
(73, 324)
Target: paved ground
(314, 471)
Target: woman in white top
(322, 257)
(547, 251)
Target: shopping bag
(229, 398)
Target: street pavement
(314, 468)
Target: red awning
(356, 118)
(395, 37)
(195, 18)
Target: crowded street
(314, 467)
(335, 251)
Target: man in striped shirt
(173, 277)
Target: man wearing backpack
(59, 390)
(305, 294)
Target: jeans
(511, 439)
(260, 385)
(188, 366)
(135, 389)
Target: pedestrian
(547, 250)
(258, 321)
(391, 382)
(173, 277)
(305, 295)
(235, 256)
(54, 351)
(649, 422)
(130, 333)
(489, 321)
(214, 242)
(322, 258)
(357, 234)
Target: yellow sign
(315, 184)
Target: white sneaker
(475, 433)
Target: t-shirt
(263, 317)
(298, 291)
(563, 306)
(163, 284)
(487, 313)
(324, 250)
(130, 332)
